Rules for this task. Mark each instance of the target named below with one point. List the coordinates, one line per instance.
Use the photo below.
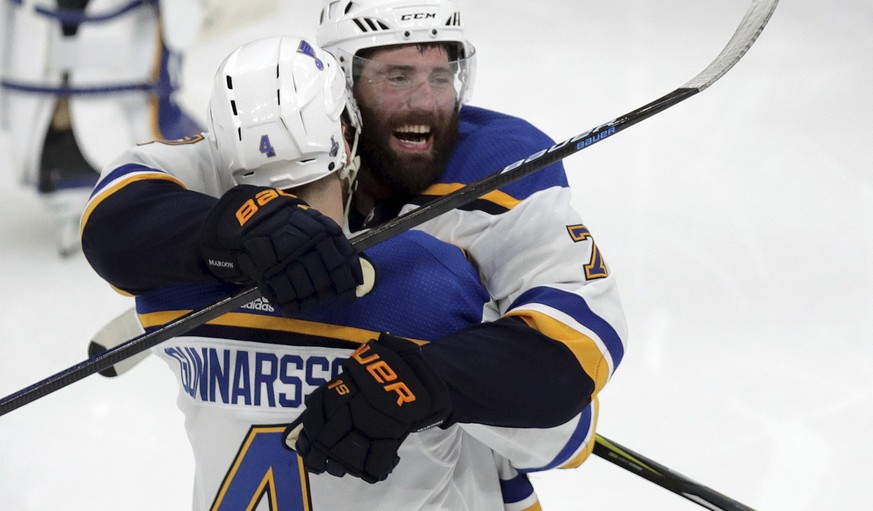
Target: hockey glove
(296, 256)
(356, 423)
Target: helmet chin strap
(349, 173)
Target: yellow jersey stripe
(96, 200)
(274, 323)
(497, 197)
(584, 348)
(588, 445)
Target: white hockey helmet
(274, 113)
(348, 26)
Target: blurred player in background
(82, 80)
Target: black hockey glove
(356, 423)
(297, 256)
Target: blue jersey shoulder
(409, 267)
(488, 141)
(425, 289)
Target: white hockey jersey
(242, 377)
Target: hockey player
(556, 332)
(180, 224)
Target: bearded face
(407, 151)
(408, 105)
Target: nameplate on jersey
(250, 374)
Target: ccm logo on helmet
(418, 16)
(382, 373)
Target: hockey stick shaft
(749, 29)
(664, 477)
(745, 35)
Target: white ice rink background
(739, 224)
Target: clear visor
(448, 82)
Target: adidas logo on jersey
(261, 304)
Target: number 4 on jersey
(264, 471)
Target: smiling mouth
(414, 136)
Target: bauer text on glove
(355, 423)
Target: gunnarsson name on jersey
(251, 377)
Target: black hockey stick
(747, 32)
(664, 477)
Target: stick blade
(119, 330)
(744, 37)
